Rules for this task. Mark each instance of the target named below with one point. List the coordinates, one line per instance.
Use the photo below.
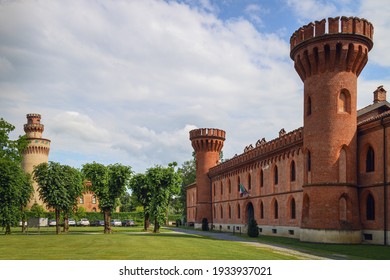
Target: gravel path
(237, 238)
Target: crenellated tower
(37, 150)
(207, 144)
(329, 55)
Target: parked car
(71, 222)
(116, 223)
(83, 222)
(52, 223)
(128, 223)
(20, 223)
(97, 223)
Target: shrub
(205, 224)
(253, 230)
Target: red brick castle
(324, 182)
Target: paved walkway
(238, 238)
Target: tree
(164, 182)
(26, 190)
(51, 179)
(140, 188)
(74, 188)
(253, 230)
(15, 185)
(108, 183)
(126, 203)
(188, 174)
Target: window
(292, 209)
(292, 171)
(261, 178)
(370, 207)
(276, 176)
(261, 210)
(221, 188)
(238, 183)
(81, 200)
(238, 211)
(308, 161)
(370, 160)
(276, 210)
(308, 108)
(230, 212)
(215, 189)
(344, 102)
(93, 199)
(230, 186)
(221, 211)
(249, 182)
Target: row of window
(343, 103)
(274, 210)
(261, 179)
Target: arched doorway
(250, 213)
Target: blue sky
(125, 81)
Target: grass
(131, 243)
(336, 251)
(125, 244)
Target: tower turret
(207, 144)
(37, 150)
(329, 56)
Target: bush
(205, 224)
(253, 230)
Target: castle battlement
(339, 44)
(207, 132)
(262, 150)
(336, 25)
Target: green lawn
(125, 244)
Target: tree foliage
(253, 230)
(164, 182)
(15, 186)
(58, 187)
(108, 183)
(141, 189)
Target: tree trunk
(58, 229)
(156, 228)
(7, 229)
(107, 221)
(146, 222)
(23, 219)
(66, 222)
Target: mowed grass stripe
(129, 246)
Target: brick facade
(325, 182)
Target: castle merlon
(344, 25)
(207, 132)
(263, 149)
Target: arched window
(238, 211)
(215, 212)
(261, 210)
(308, 159)
(261, 178)
(292, 209)
(249, 182)
(230, 186)
(370, 160)
(230, 211)
(370, 207)
(292, 171)
(344, 102)
(81, 200)
(221, 209)
(215, 189)
(342, 209)
(94, 199)
(276, 175)
(221, 188)
(308, 107)
(238, 183)
(276, 210)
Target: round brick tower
(329, 56)
(207, 144)
(36, 152)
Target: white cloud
(126, 81)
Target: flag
(243, 191)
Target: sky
(125, 81)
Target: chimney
(379, 94)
